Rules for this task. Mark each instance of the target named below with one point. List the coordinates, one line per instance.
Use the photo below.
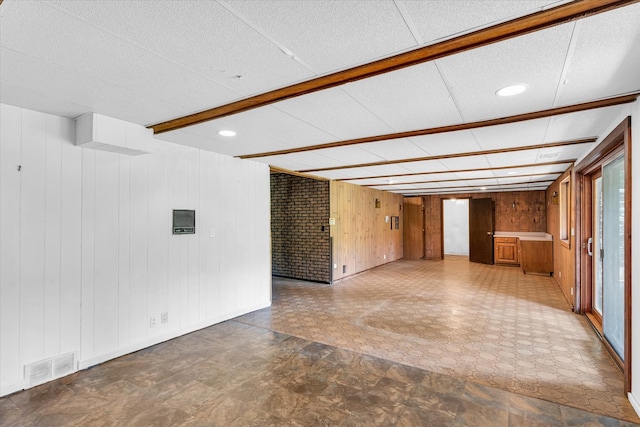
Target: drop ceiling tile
(261, 130)
(517, 158)
(336, 113)
(531, 132)
(471, 162)
(584, 124)
(535, 59)
(349, 155)
(426, 166)
(447, 143)
(331, 35)
(394, 149)
(89, 94)
(408, 99)
(436, 20)
(298, 161)
(560, 168)
(216, 45)
(605, 58)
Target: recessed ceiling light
(227, 133)
(512, 90)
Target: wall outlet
(153, 321)
(384, 257)
(335, 266)
(164, 318)
(559, 274)
(571, 291)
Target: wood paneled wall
(529, 214)
(87, 251)
(564, 261)
(362, 239)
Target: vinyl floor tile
(443, 343)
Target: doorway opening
(455, 228)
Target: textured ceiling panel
(408, 99)
(606, 57)
(331, 35)
(535, 59)
(53, 82)
(261, 130)
(435, 20)
(395, 149)
(447, 143)
(335, 112)
(200, 35)
(584, 124)
(521, 134)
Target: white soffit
(535, 59)
(331, 35)
(408, 99)
(435, 20)
(605, 56)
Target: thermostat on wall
(184, 221)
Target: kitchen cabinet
(506, 250)
(536, 256)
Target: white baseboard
(11, 388)
(165, 336)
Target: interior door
(481, 223)
(413, 247)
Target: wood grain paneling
(563, 255)
(529, 214)
(362, 238)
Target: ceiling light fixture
(227, 133)
(512, 90)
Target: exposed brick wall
(299, 211)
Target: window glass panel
(613, 253)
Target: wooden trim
(618, 139)
(515, 184)
(453, 155)
(274, 169)
(516, 27)
(464, 179)
(559, 162)
(607, 102)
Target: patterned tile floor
(489, 325)
(408, 344)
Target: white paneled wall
(86, 251)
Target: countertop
(524, 235)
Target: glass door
(612, 254)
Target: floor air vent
(49, 369)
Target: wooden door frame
(617, 142)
